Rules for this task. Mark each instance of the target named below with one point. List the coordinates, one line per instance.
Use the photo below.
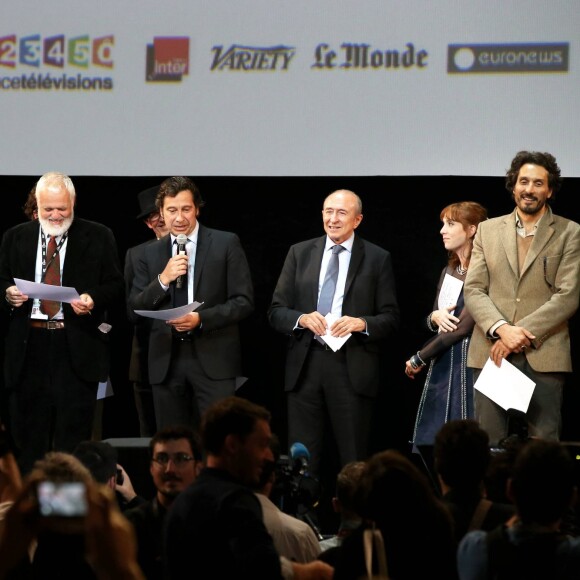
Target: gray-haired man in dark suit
(319, 381)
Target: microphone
(181, 241)
(300, 457)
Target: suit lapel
(29, 252)
(313, 269)
(204, 239)
(542, 236)
(163, 253)
(78, 240)
(508, 238)
(358, 253)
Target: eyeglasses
(179, 459)
(155, 217)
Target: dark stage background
(269, 214)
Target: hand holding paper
(47, 291)
(334, 342)
(170, 313)
(449, 293)
(505, 385)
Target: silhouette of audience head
(235, 436)
(269, 475)
(500, 468)
(60, 467)
(30, 207)
(392, 491)
(461, 454)
(542, 486)
(99, 457)
(347, 482)
(397, 498)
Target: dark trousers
(52, 408)
(325, 398)
(139, 376)
(544, 415)
(143, 396)
(187, 390)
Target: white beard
(53, 230)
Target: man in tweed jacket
(522, 287)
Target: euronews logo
(29, 54)
(508, 58)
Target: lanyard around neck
(46, 264)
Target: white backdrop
(273, 87)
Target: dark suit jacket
(221, 520)
(91, 266)
(138, 368)
(369, 294)
(222, 281)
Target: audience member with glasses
(175, 462)
(179, 459)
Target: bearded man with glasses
(175, 463)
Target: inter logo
(167, 59)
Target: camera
(296, 491)
(63, 500)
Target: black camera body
(296, 491)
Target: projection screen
(305, 88)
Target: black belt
(47, 324)
(183, 336)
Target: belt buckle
(52, 324)
(320, 345)
(183, 336)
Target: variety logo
(356, 56)
(252, 58)
(167, 59)
(507, 58)
(55, 52)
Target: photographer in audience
(97, 542)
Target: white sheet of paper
(170, 313)
(239, 382)
(334, 342)
(505, 385)
(449, 293)
(47, 291)
(105, 389)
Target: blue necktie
(329, 285)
